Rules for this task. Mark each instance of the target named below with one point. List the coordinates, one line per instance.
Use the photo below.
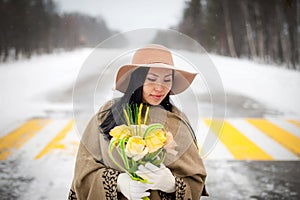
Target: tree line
(265, 30)
(34, 26)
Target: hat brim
(182, 79)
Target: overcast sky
(126, 15)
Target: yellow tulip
(120, 132)
(155, 140)
(136, 148)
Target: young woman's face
(157, 85)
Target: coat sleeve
(189, 170)
(92, 179)
(189, 175)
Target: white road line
(267, 144)
(284, 124)
(211, 146)
(30, 149)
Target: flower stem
(146, 115)
(127, 117)
(111, 147)
(140, 120)
(124, 157)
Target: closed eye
(151, 79)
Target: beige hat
(156, 56)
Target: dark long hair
(133, 96)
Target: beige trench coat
(95, 176)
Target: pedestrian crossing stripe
(296, 123)
(237, 143)
(266, 143)
(285, 138)
(16, 138)
(56, 142)
(239, 139)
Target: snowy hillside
(26, 85)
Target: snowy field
(42, 87)
(26, 85)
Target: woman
(150, 79)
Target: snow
(26, 83)
(274, 86)
(27, 87)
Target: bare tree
(228, 27)
(292, 12)
(34, 26)
(259, 31)
(284, 43)
(249, 29)
(267, 29)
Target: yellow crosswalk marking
(18, 137)
(297, 123)
(55, 143)
(282, 136)
(238, 144)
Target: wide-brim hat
(156, 56)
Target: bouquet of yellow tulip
(138, 143)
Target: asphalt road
(260, 180)
(232, 180)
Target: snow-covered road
(42, 88)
